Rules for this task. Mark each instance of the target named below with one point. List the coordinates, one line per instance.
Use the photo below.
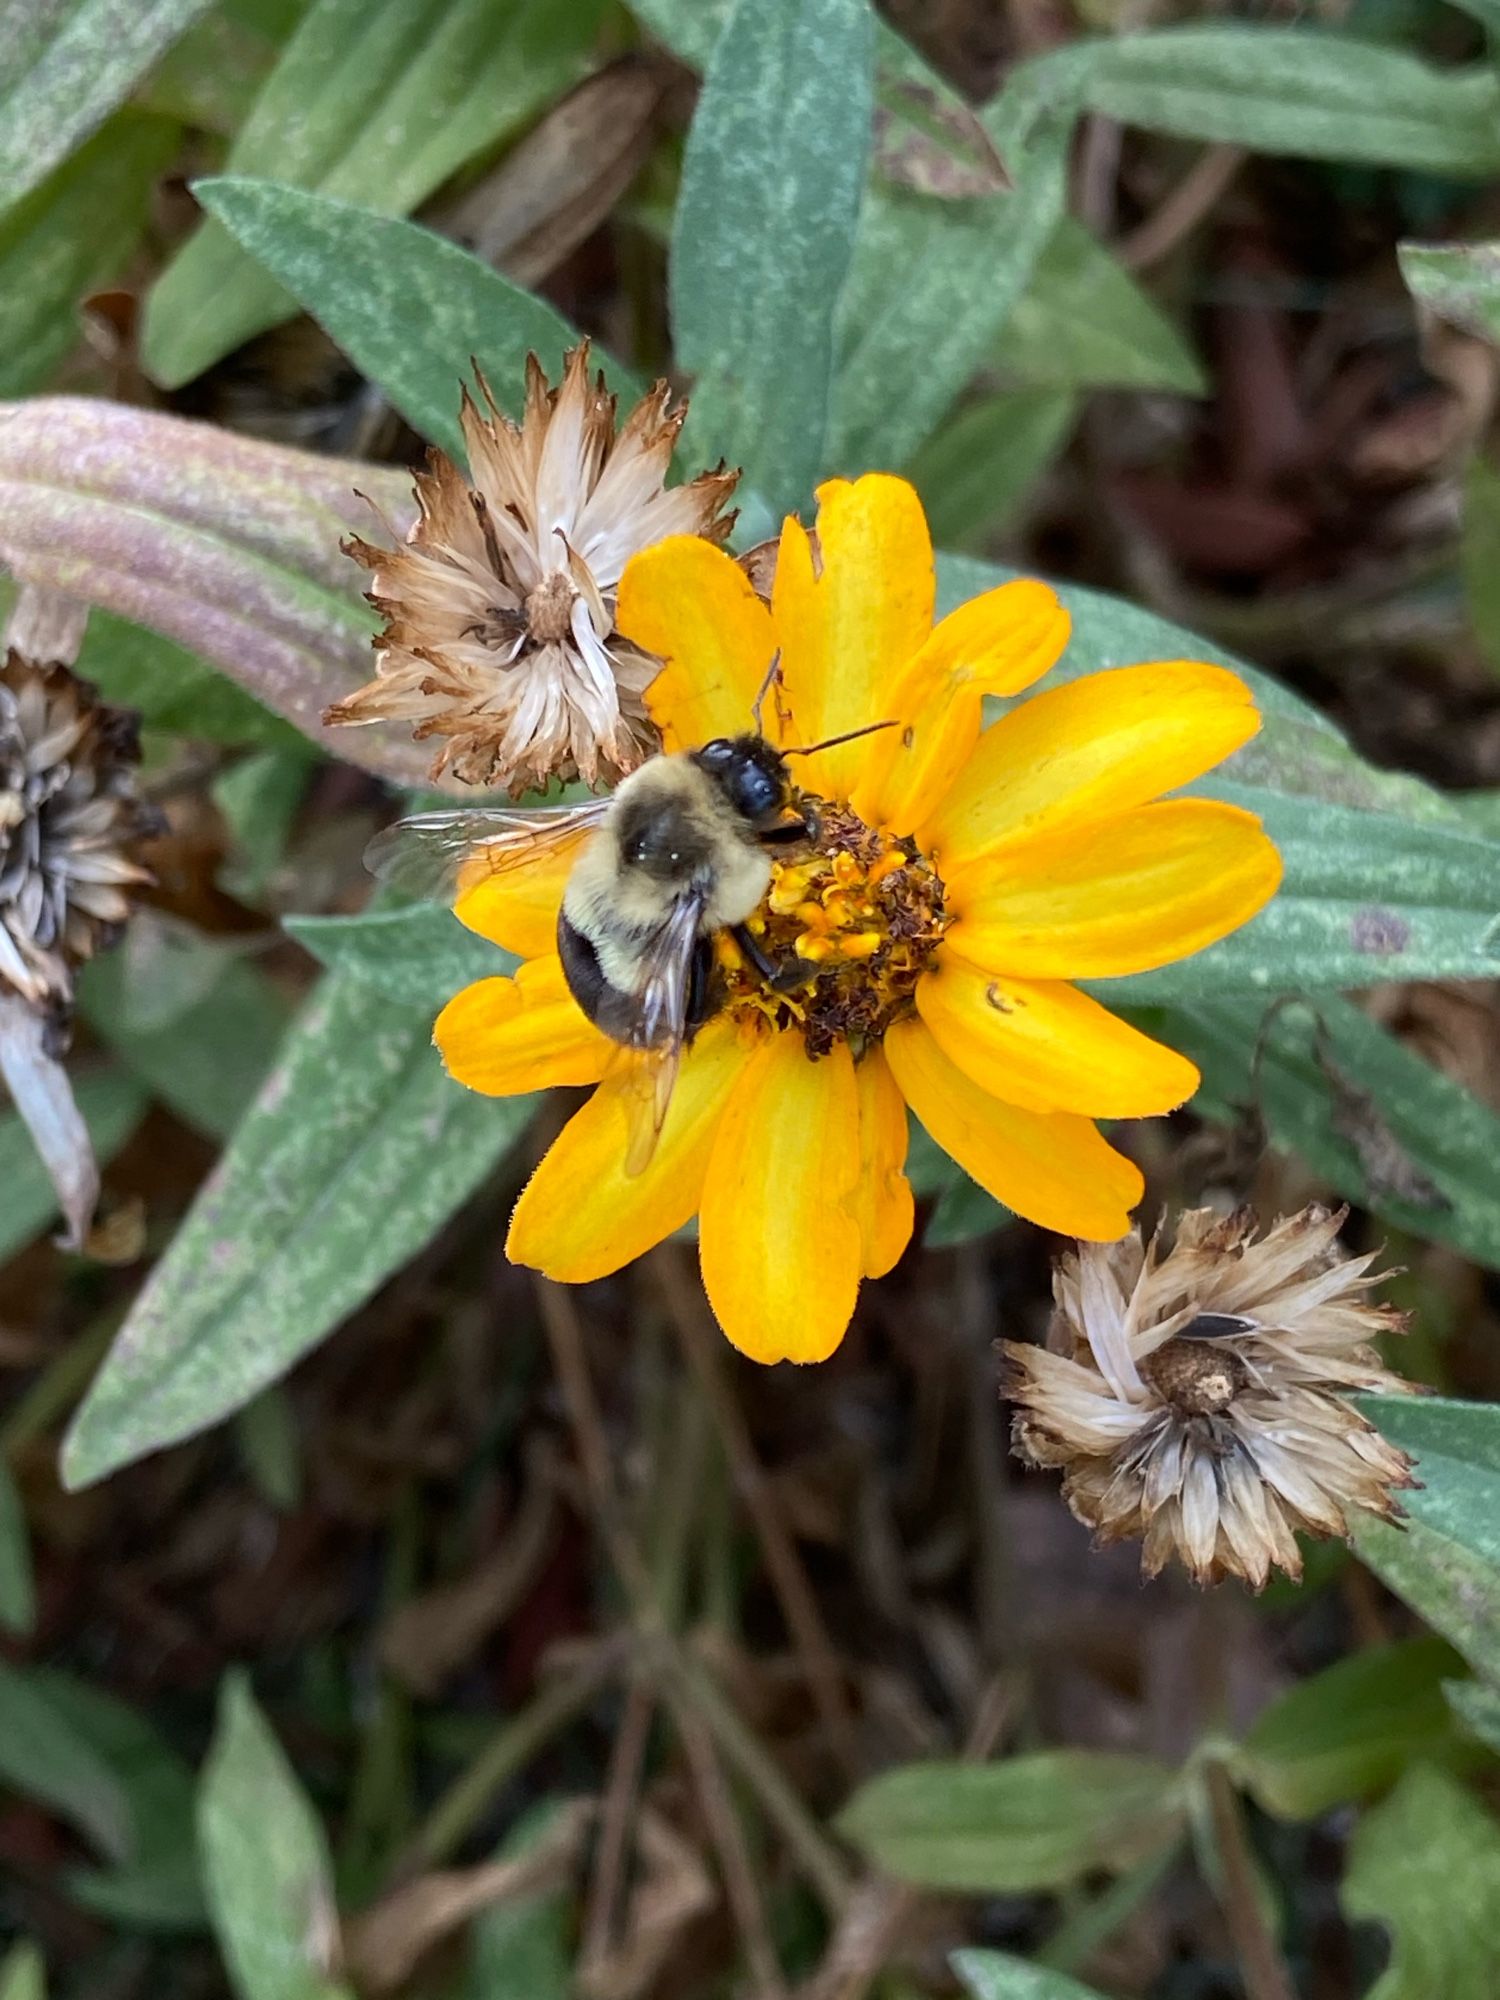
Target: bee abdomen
(612, 1011)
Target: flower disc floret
(862, 913)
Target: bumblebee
(679, 852)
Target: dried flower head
(500, 632)
(1195, 1398)
(68, 816)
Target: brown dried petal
(1193, 1398)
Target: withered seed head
(1197, 1397)
(69, 815)
(499, 607)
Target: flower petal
(694, 607)
(996, 644)
(846, 630)
(1051, 1167)
(517, 908)
(1044, 1044)
(1091, 748)
(778, 1227)
(580, 1215)
(1121, 896)
(885, 1205)
(505, 1037)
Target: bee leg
(700, 994)
(787, 831)
(781, 978)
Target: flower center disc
(1197, 1378)
(861, 914)
(549, 609)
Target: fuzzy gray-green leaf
(765, 222)
(265, 1861)
(1446, 1560)
(1426, 1865)
(407, 307)
(64, 66)
(375, 99)
(68, 236)
(421, 955)
(358, 1148)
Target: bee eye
(715, 756)
(756, 792)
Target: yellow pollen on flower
(858, 915)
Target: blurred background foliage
(510, 1645)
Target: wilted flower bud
(500, 608)
(1194, 1398)
(68, 816)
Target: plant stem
(701, 1343)
(512, 1746)
(1266, 1976)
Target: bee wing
(427, 854)
(644, 1071)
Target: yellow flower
(963, 877)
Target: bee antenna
(849, 735)
(765, 688)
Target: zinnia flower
(68, 816)
(1196, 1398)
(500, 632)
(963, 876)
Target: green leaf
(1426, 1865)
(357, 1150)
(46, 1757)
(963, 1212)
(1308, 92)
(93, 1760)
(1366, 897)
(1479, 554)
(995, 1975)
(64, 66)
(1351, 1730)
(1363, 1111)
(271, 1446)
(421, 955)
(1084, 323)
(210, 77)
(17, 1586)
(976, 471)
(265, 1861)
(1459, 282)
(1445, 1562)
(689, 28)
(771, 180)
(1027, 1823)
(22, 1975)
(260, 798)
(375, 99)
(68, 236)
(1111, 632)
(521, 1950)
(406, 306)
(1477, 1706)
(112, 1103)
(930, 286)
(155, 1884)
(193, 1019)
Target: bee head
(751, 773)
